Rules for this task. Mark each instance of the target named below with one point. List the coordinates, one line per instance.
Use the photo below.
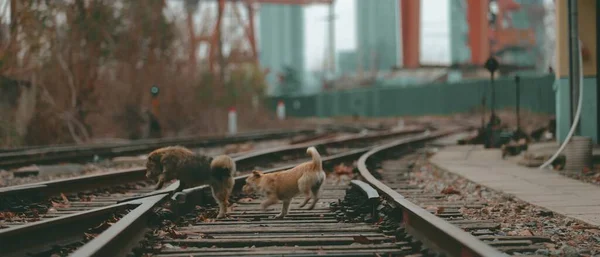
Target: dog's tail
(223, 166)
(316, 158)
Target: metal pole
(493, 104)
(518, 92)
(597, 69)
(222, 64)
(573, 59)
(482, 107)
(332, 38)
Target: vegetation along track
(392, 164)
(88, 208)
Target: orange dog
(307, 178)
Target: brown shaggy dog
(191, 169)
(307, 178)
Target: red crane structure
(484, 40)
(237, 55)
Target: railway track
(398, 174)
(392, 165)
(364, 219)
(77, 153)
(79, 205)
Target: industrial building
(516, 34)
(281, 43)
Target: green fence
(537, 95)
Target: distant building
(281, 43)
(347, 62)
(529, 16)
(378, 34)
(459, 32)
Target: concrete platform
(549, 148)
(544, 188)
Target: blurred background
(78, 70)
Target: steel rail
(109, 243)
(246, 160)
(43, 235)
(63, 147)
(50, 155)
(425, 226)
(39, 236)
(369, 191)
(68, 185)
(128, 230)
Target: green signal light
(154, 90)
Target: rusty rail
(45, 155)
(106, 243)
(50, 188)
(123, 235)
(430, 229)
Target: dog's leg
(315, 192)
(306, 199)
(306, 191)
(161, 182)
(221, 196)
(285, 209)
(270, 201)
(314, 202)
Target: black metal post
(482, 108)
(493, 104)
(597, 68)
(518, 92)
(574, 59)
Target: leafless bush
(94, 62)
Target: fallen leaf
(362, 240)
(176, 234)
(439, 210)
(7, 215)
(450, 191)
(200, 218)
(342, 169)
(59, 205)
(64, 198)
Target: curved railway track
(365, 219)
(394, 168)
(123, 198)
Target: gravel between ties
(570, 237)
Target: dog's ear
(256, 173)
